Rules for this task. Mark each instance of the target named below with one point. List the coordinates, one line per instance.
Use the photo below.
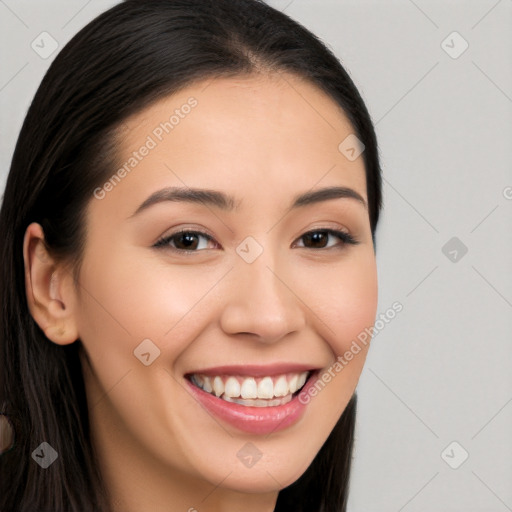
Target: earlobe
(50, 295)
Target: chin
(260, 479)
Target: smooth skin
(263, 139)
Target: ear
(50, 290)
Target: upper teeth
(251, 387)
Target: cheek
(344, 297)
(142, 297)
(130, 296)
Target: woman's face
(262, 289)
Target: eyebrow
(228, 203)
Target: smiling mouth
(268, 391)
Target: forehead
(258, 137)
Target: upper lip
(255, 370)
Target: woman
(188, 252)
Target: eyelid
(163, 241)
(345, 237)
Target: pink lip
(255, 420)
(255, 370)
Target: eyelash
(163, 242)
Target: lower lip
(255, 420)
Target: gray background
(441, 370)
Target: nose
(261, 301)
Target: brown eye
(319, 238)
(184, 241)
